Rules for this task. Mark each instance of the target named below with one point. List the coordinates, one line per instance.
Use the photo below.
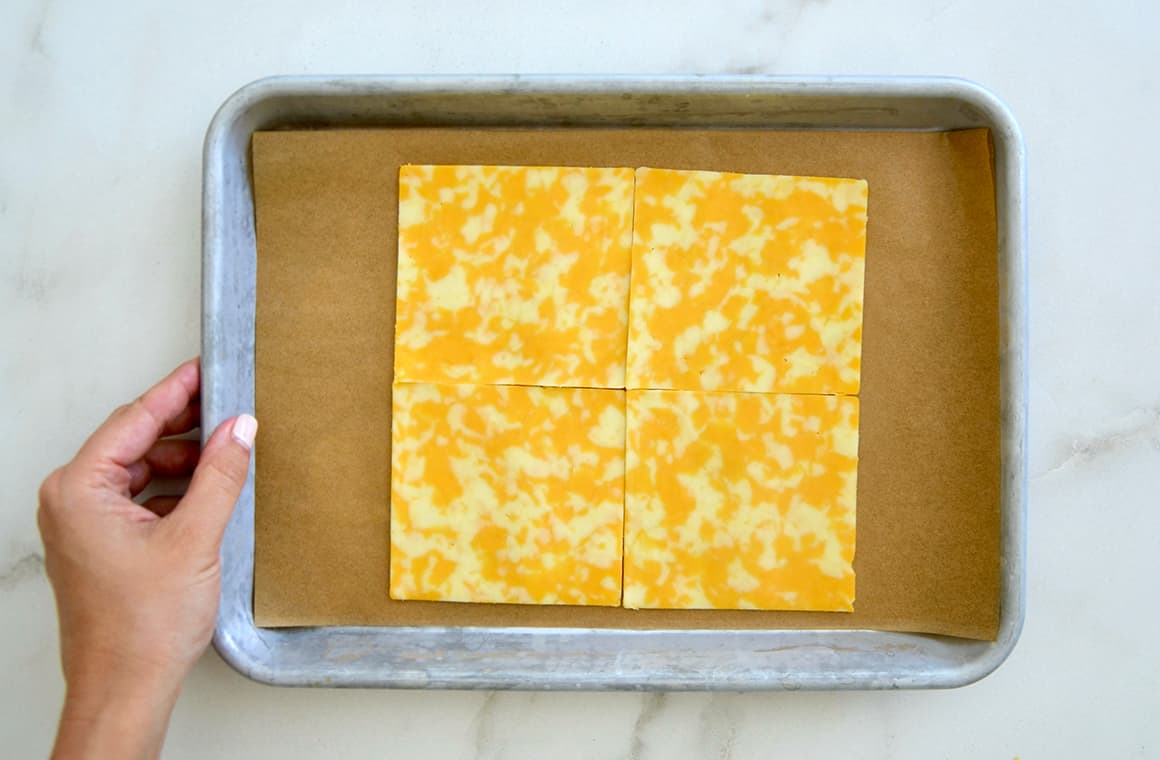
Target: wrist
(97, 671)
(92, 701)
(122, 714)
(109, 723)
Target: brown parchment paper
(928, 482)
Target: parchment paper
(928, 483)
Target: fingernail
(244, 430)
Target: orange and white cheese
(746, 282)
(513, 275)
(507, 494)
(740, 501)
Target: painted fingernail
(244, 430)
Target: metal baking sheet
(569, 658)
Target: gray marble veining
(104, 112)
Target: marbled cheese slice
(740, 501)
(746, 282)
(513, 275)
(507, 494)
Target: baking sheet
(928, 498)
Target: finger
(217, 483)
(132, 429)
(187, 419)
(162, 505)
(140, 473)
(173, 458)
(166, 459)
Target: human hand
(137, 585)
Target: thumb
(217, 482)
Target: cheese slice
(507, 494)
(513, 275)
(740, 501)
(746, 282)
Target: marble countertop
(104, 106)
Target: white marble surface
(102, 111)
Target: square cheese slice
(746, 282)
(513, 275)
(507, 494)
(740, 501)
